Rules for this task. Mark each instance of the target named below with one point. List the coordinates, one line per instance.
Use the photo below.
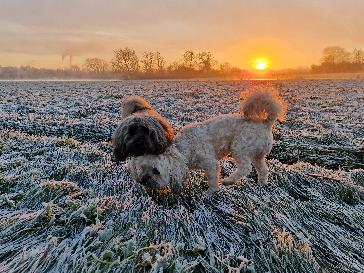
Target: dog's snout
(145, 179)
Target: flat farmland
(66, 207)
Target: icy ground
(66, 207)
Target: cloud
(228, 28)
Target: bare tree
(152, 61)
(174, 66)
(189, 59)
(160, 62)
(75, 68)
(96, 65)
(335, 55)
(225, 68)
(206, 61)
(125, 61)
(337, 59)
(358, 56)
(147, 62)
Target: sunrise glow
(260, 64)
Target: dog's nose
(145, 179)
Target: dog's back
(220, 133)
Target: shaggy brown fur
(142, 130)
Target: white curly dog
(247, 136)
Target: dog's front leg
(212, 171)
(261, 167)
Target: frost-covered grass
(66, 207)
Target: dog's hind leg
(261, 166)
(243, 168)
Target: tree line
(152, 64)
(337, 59)
(127, 64)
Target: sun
(261, 64)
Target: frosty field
(66, 207)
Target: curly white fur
(247, 136)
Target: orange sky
(288, 33)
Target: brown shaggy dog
(142, 130)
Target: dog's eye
(155, 171)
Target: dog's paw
(227, 181)
(212, 190)
(263, 182)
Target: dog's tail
(263, 104)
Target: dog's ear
(168, 129)
(118, 144)
(158, 137)
(119, 153)
(131, 166)
(161, 135)
(178, 181)
(178, 186)
(178, 170)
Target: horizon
(288, 34)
